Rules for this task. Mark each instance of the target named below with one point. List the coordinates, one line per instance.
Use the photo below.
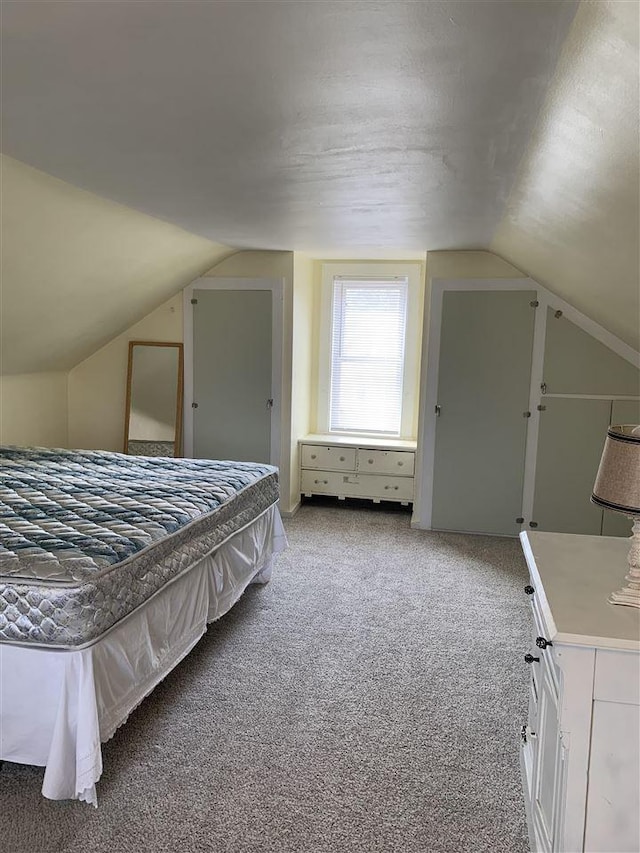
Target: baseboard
(291, 512)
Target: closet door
(570, 442)
(232, 374)
(484, 375)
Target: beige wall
(317, 317)
(303, 350)
(97, 386)
(78, 269)
(33, 409)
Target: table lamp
(617, 487)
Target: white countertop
(573, 576)
(360, 441)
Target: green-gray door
(484, 377)
(570, 442)
(232, 353)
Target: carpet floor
(368, 699)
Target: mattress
(86, 537)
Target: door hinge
(519, 520)
(542, 408)
(558, 314)
(543, 387)
(534, 304)
(270, 403)
(526, 414)
(437, 410)
(194, 405)
(533, 524)
(194, 301)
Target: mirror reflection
(153, 415)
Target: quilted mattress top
(82, 528)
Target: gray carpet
(368, 699)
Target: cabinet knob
(531, 659)
(529, 589)
(542, 643)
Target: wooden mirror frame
(179, 395)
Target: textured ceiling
(285, 125)
(572, 221)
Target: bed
(111, 568)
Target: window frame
(412, 272)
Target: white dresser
(377, 469)
(580, 749)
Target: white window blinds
(367, 355)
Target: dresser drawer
(331, 458)
(398, 462)
(357, 485)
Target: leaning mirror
(153, 413)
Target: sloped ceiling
(572, 221)
(299, 125)
(328, 127)
(76, 269)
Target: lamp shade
(617, 483)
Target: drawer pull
(529, 589)
(321, 482)
(531, 659)
(542, 643)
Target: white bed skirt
(57, 707)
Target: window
(369, 359)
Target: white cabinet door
(613, 824)
(547, 777)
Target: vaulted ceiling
(285, 125)
(333, 127)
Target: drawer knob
(342, 458)
(531, 659)
(386, 487)
(313, 455)
(401, 464)
(529, 589)
(370, 461)
(542, 643)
